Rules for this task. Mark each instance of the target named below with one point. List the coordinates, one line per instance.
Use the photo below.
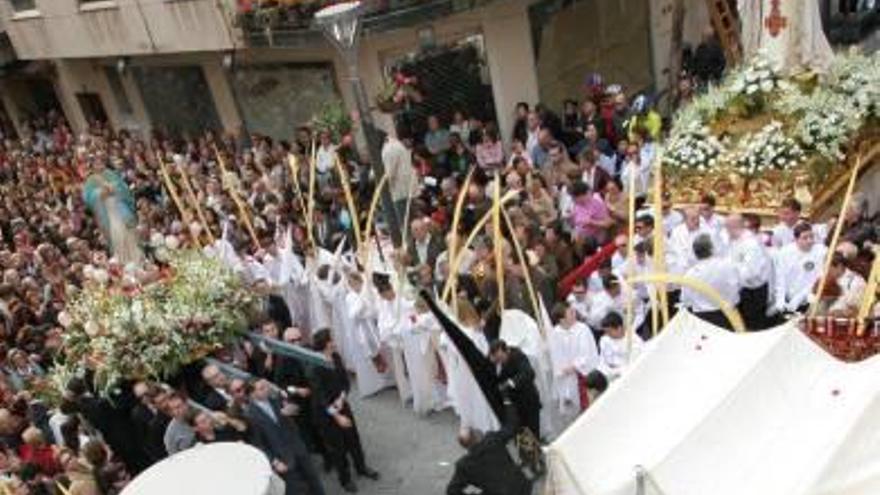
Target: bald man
(745, 251)
(680, 255)
(424, 246)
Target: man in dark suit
(216, 398)
(334, 415)
(279, 439)
(488, 467)
(592, 174)
(516, 377)
(290, 375)
(424, 247)
(150, 422)
(326, 230)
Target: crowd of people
(566, 179)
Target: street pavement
(415, 455)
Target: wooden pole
(498, 240)
(631, 265)
(233, 193)
(699, 286)
(172, 191)
(187, 186)
(659, 247)
(313, 164)
(838, 228)
(452, 248)
(524, 262)
(374, 203)
(352, 208)
(459, 256)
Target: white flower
(100, 276)
(64, 319)
(91, 328)
(172, 242)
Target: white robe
(319, 311)
(365, 345)
(390, 324)
(576, 347)
(467, 398)
(421, 362)
(798, 43)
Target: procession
(630, 292)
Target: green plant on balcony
(333, 117)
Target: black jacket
(519, 373)
(278, 440)
(488, 465)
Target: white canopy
(227, 468)
(705, 411)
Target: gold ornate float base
(817, 186)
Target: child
(613, 350)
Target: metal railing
(285, 23)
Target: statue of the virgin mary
(110, 201)
(788, 32)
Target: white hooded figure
(391, 310)
(366, 349)
(573, 353)
(520, 330)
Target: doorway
(92, 108)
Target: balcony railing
(290, 22)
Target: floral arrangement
(694, 148)
(755, 84)
(756, 121)
(766, 149)
(129, 324)
(333, 117)
(398, 92)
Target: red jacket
(42, 456)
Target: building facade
(184, 65)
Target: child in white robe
(573, 355)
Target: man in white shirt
(672, 218)
(789, 216)
(754, 265)
(402, 179)
(708, 218)
(680, 249)
(325, 155)
(717, 272)
(633, 166)
(798, 266)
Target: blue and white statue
(107, 196)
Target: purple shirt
(592, 208)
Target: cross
(775, 22)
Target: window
(90, 5)
(23, 5)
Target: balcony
(852, 26)
(288, 23)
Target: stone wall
(276, 98)
(177, 99)
(609, 37)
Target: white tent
(214, 469)
(704, 411)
